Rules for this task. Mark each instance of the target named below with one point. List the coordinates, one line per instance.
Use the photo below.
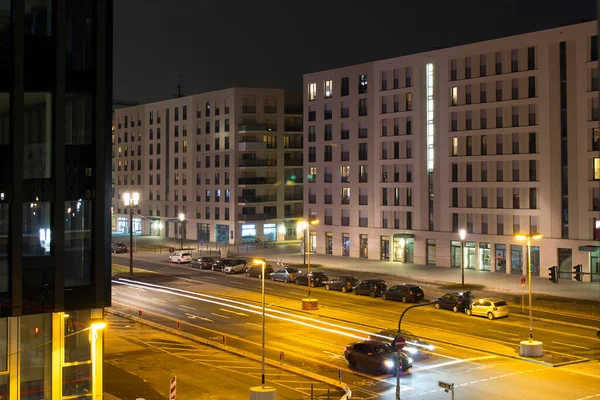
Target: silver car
(490, 308)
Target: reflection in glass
(79, 16)
(5, 38)
(77, 381)
(37, 129)
(38, 17)
(3, 346)
(78, 242)
(4, 230)
(78, 129)
(4, 110)
(77, 343)
(36, 229)
(35, 350)
(4, 385)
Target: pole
(181, 234)
(131, 239)
(462, 263)
(529, 287)
(304, 245)
(263, 324)
(522, 298)
(308, 257)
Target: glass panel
(35, 346)
(38, 17)
(4, 106)
(79, 19)
(3, 348)
(78, 129)
(4, 231)
(5, 39)
(77, 381)
(37, 129)
(36, 229)
(78, 243)
(4, 386)
(77, 343)
(516, 259)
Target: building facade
(498, 138)
(230, 161)
(55, 116)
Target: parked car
(286, 274)
(203, 263)
(118, 248)
(237, 266)
(255, 271)
(455, 301)
(376, 355)
(220, 264)
(344, 283)
(180, 257)
(317, 278)
(416, 347)
(371, 287)
(490, 308)
(404, 293)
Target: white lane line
(252, 323)
(502, 332)
(209, 277)
(233, 312)
(454, 362)
(189, 308)
(161, 300)
(316, 340)
(572, 345)
(297, 293)
(206, 319)
(446, 322)
(268, 288)
(219, 315)
(237, 283)
(333, 354)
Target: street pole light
(182, 219)
(463, 235)
(528, 238)
(96, 326)
(131, 200)
(263, 265)
(306, 228)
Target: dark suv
(404, 293)
(317, 278)
(371, 287)
(455, 301)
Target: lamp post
(528, 238)
(306, 226)
(182, 219)
(463, 235)
(96, 326)
(131, 200)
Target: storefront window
(222, 233)
(516, 259)
(313, 241)
(364, 246)
(469, 255)
(203, 232)
(346, 244)
(270, 232)
(3, 346)
(329, 243)
(122, 224)
(565, 258)
(535, 260)
(500, 254)
(455, 254)
(385, 248)
(431, 252)
(248, 233)
(595, 265)
(35, 346)
(484, 256)
(4, 232)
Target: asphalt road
(215, 303)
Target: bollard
(178, 325)
(312, 390)
(328, 394)
(139, 313)
(224, 340)
(281, 356)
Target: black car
(377, 356)
(371, 287)
(455, 301)
(203, 263)
(255, 271)
(343, 283)
(416, 348)
(404, 293)
(316, 279)
(220, 265)
(118, 248)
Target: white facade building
(230, 161)
(498, 137)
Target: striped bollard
(173, 388)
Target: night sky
(216, 44)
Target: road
(214, 302)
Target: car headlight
(410, 360)
(411, 350)
(431, 347)
(389, 363)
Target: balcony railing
(256, 181)
(293, 214)
(243, 146)
(253, 217)
(253, 128)
(294, 197)
(294, 146)
(292, 163)
(256, 199)
(258, 163)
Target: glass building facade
(55, 124)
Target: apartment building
(498, 138)
(55, 117)
(230, 161)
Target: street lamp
(96, 326)
(306, 227)
(182, 219)
(528, 238)
(131, 200)
(463, 235)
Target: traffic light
(577, 272)
(552, 274)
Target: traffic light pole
(529, 288)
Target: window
(176, 113)
(362, 152)
(594, 48)
(514, 60)
(454, 172)
(467, 67)
(453, 95)
(362, 84)
(345, 87)
(454, 122)
(328, 89)
(362, 107)
(363, 175)
(217, 126)
(482, 65)
(207, 109)
(596, 168)
(345, 173)
(312, 134)
(345, 196)
(531, 58)
(328, 155)
(531, 87)
(595, 139)
(533, 198)
(498, 63)
(312, 174)
(468, 97)
(312, 91)
(482, 93)
(453, 71)
(498, 90)
(469, 172)
(532, 170)
(454, 146)
(469, 145)
(483, 145)
(409, 101)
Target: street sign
(399, 342)
(445, 385)
(523, 280)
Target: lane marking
(219, 315)
(252, 323)
(504, 333)
(188, 307)
(268, 288)
(233, 312)
(206, 319)
(209, 277)
(572, 345)
(297, 293)
(237, 283)
(161, 300)
(446, 322)
(454, 362)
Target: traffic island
(263, 393)
(531, 348)
(310, 304)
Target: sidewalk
(413, 272)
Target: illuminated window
(312, 91)
(596, 168)
(454, 146)
(345, 173)
(454, 95)
(328, 89)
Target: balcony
(294, 146)
(293, 163)
(246, 128)
(256, 199)
(293, 214)
(257, 163)
(256, 181)
(294, 197)
(245, 146)
(253, 217)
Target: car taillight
(460, 302)
(411, 293)
(495, 308)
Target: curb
(243, 353)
